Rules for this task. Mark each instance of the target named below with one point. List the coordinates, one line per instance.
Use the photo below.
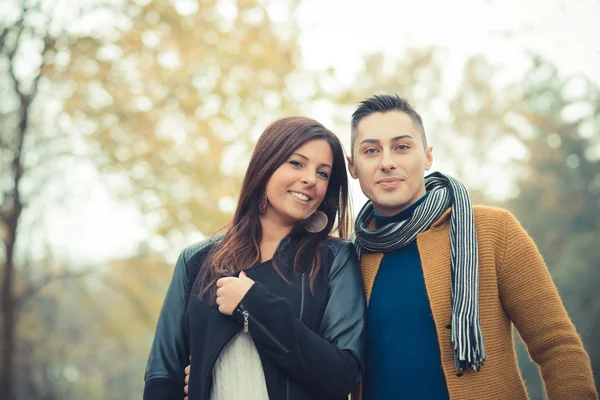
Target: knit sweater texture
(515, 289)
(238, 372)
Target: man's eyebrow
(371, 141)
(394, 139)
(402, 137)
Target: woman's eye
(323, 174)
(296, 164)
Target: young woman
(275, 308)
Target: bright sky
(338, 33)
(566, 32)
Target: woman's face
(298, 186)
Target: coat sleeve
(328, 363)
(533, 304)
(164, 377)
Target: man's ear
(428, 157)
(351, 167)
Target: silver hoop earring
(316, 222)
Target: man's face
(390, 161)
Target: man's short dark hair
(382, 103)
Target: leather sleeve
(346, 292)
(164, 377)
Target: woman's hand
(231, 291)
(188, 369)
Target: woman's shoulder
(199, 249)
(340, 253)
(337, 245)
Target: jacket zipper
(303, 279)
(287, 379)
(246, 315)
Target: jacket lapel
(369, 265)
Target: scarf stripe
(444, 192)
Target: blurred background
(126, 126)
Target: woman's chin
(296, 219)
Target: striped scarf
(444, 192)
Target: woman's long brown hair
(240, 247)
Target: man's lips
(389, 181)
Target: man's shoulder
(491, 213)
(493, 221)
(485, 216)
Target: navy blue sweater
(403, 355)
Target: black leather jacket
(311, 346)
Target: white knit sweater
(238, 373)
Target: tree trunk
(8, 321)
(8, 298)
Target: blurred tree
(416, 76)
(176, 101)
(31, 155)
(543, 134)
(165, 98)
(559, 191)
(485, 130)
(89, 338)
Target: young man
(446, 281)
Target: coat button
(449, 326)
(459, 374)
